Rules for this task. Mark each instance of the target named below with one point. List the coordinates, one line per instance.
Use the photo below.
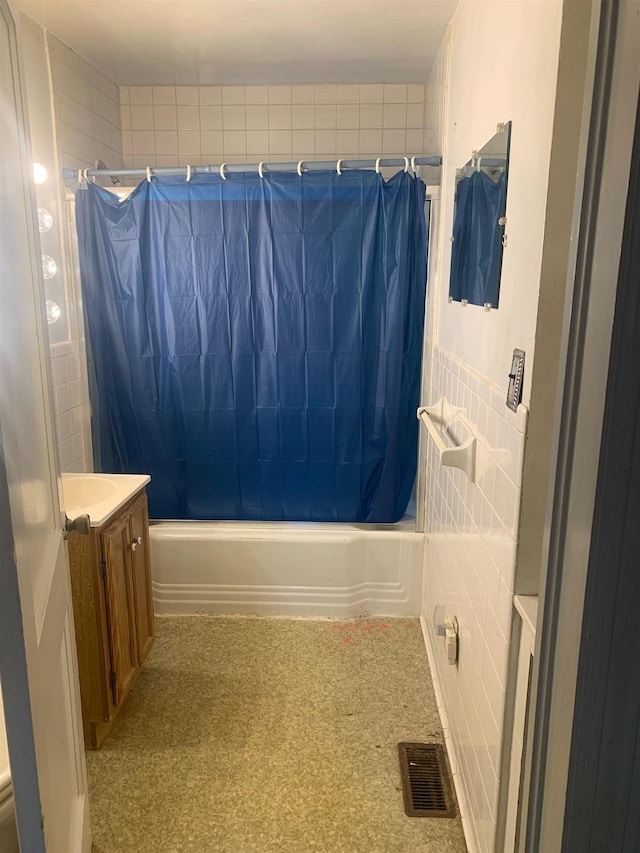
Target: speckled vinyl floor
(252, 735)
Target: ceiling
(241, 42)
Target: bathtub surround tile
(325, 110)
(141, 95)
(234, 142)
(371, 116)
(257, 117)
(210, 118)
(395, 93)
(346, 142)
(188, 117)
(258, 142)
(187, 95)
(371, 93)
(415, 93)
(303, 116)
(303, 141)
(348, 94)
(299, 703)
(210, 96)
(279, 94)
(188, 142)
(472, 531)
(165, 117)
(279, 117)
(234, 117)
(393, 142)
(144, 144)
(280, 142)
(395, 116)
(325, 117)
(164, 95)
(166, 143)
(347, 116)
(256, 94)
(325, 142)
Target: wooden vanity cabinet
(113, 612)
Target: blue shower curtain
(476, 257)
(255, 344)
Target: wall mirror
(479, 223)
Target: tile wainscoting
(469, 573)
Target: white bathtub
(273, 568)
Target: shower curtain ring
(406, 164)
(299, 169)
(222, 174)
(188, 173)
(260, 169)
(85, 175)
(339, 167)
(414, 168)
(79, 176)
(378, 165)
(149, 174)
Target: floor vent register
(426, 784)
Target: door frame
(580, 518)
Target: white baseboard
(458, 782)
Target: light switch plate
(514, 392)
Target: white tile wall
(472, 530)
(87, 110)
(87, 128)
(165, 125)
(71, 398)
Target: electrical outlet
(514, 392)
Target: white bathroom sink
(99, 495)
(86, 490)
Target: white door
(45, 745)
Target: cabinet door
(116, 542)
(139, 520)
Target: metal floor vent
(425, 780)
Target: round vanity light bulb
(49, 266)
(39, 173)
(45, 220)
(53, 311)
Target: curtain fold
(255, 344)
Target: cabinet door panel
(120, 606)
(139, 520)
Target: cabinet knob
(134, 545)
(139, 540)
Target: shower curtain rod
(228, 168)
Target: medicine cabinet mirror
(479, 223)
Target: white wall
(165, 125)
(504, 62)
(503, 66)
